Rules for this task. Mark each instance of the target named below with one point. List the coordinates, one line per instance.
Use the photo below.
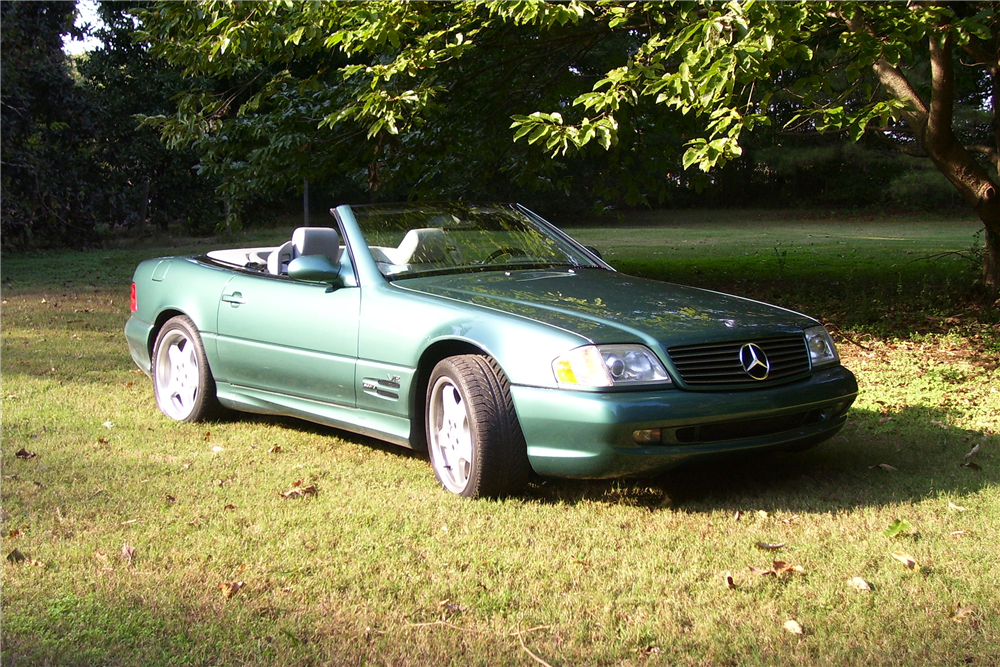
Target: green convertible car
(488, 336)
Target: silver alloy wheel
(177, 374)
(450, 435)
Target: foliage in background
(76, 165)
(46, 123)
(924, 77)
(390, 101)
(141, 180)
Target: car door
(290, 337)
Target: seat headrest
(429, 244)
(317, 241)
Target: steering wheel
(500, 252)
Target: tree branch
(942, 91)
(989, 151)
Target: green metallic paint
(589, 434)
(349, 355)
(290, 337)
(609, 307)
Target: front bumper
(590, 434)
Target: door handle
(236, 298)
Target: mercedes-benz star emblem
(754, 361)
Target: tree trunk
(932, 125)
(991, 267)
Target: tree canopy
(402, 92)
(608, 102)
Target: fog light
(646, 436)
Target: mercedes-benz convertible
(487, 336)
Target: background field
(150, 542)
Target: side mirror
(595, 251)
(315, 269)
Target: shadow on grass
(870, 463)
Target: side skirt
(390, 428)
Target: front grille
(719, 363)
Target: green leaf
(296, 36)
(896, 527)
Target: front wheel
(182, 380)
(475, 442)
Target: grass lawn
(133, 540)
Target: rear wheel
(182, 380)
(475, 442)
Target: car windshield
(409, 240)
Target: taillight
(131, 300)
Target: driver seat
(316, 241)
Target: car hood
(606, 306)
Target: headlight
(822, 351)
(609, 366)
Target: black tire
(182, 380)
(474, 440)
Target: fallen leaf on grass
(761, 573)
(884, 466)
(297, 491)
(103, 441)
(896, 527)
(958, 533)
(24, 454)
(109, 424)
(905, 559)
(953, 506)
(16, 556)
(728, 579)
(770, 547)
(781, 567)
(128, 552)
(972, 466)
(231, 588)
(793, 627)
(938, 423)
(859, 584)
(737, 515)
(958, 613)
(171, 499)
(975, 450)
(274, 450)
(230, 506)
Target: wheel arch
(158, 323)
(430, 357)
